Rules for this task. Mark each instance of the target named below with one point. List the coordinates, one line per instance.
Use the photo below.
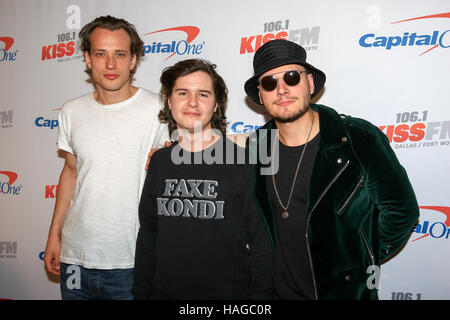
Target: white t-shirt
(111, 143)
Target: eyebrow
(201, 90)
(103, 50)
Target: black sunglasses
(291, 78)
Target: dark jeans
(78, 283)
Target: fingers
(52, 263)
(56, 265)
(48, 262)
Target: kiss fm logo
(179, 47)
(5, 53)
(8, 249)
(409, 39)
(436, 223)
(413, 131)
(6, 119)
(51, 191)
(7, 186)
(307, 37)
(65, 49)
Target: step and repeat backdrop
(386, 61)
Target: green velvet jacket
(361, 207)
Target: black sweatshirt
(201, 234)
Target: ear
(260, 99)
(169, 104)
(215, 108)
(311, 83)
(87, 58)
(133, 62)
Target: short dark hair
(183, 68)
(112, 23)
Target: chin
(290, 118)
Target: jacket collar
(332, 131)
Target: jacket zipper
(361, 180)
(366, 244)
(307, 225)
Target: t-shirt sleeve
(63, 133)
(162, 136)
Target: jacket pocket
(350, 197)
(368, 250)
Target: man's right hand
(150, 154)
(51, 256)
(67, 182)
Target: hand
(166, 144)
(51, 256)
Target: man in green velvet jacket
(334, 196)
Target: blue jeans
(78, 283)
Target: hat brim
(251, 85)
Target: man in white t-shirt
(105, 137)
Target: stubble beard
(294, 117)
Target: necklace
(285, 214)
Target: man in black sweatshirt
(201, 234)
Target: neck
(106, 97)
(295, 133)
(197, 140)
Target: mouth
(191, 114)
(111, 76)
(284, 103)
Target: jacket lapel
(333, 159)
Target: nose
(193, 102)
(282, 87)
(111, 62)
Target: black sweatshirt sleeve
(261, 253)
(144, 266)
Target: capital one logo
(5, 53)
(435, 224)
(44, 122)
(435, 39)
(172, 47)
(8, 187)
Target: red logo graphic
(439, 15)
(51, 191)
(437, 229)
(58, 50)
(11, 175)
(191, 33)
(8, 42)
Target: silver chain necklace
(285, 214)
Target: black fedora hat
(276, 53)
